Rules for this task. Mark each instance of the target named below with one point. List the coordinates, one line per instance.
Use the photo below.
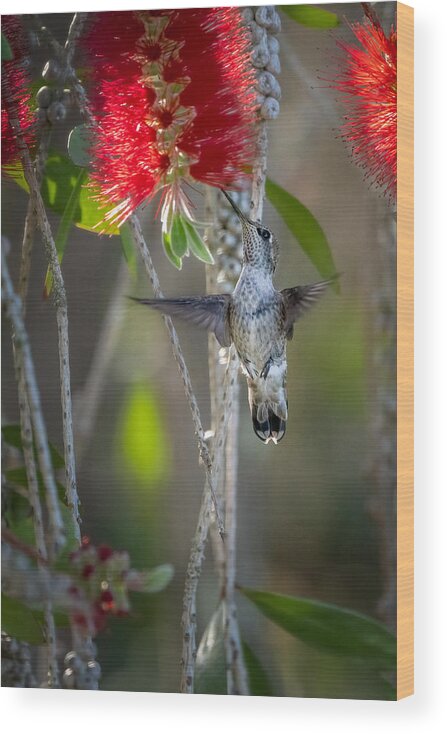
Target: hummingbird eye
(264, 233)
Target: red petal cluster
(15, 89)
(206, 52)
(369, 81)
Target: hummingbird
(257, 319)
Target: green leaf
(329, 628)
(196, 244)
(7, 53)
(79, 144)
(305, 229)
(311, 16)
(179, 242)
(157, 578)
(21, 622)
(18, 476)
(24, 530)
(142, 437)
(58, 182)
(258, 681)
(210, 661)
(27, 624)
(127, 246)
(12, 436)
(16, 508)
(176, 261)
(65, 226)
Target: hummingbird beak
(241, 216)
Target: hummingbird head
(260, 245)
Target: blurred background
(305, 525)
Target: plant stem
(25, 366)
(204, 452)
(189, 617)
(39, 532)
(60, 301)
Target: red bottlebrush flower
(15, 85)
(87, 571)
(369, 83)
(173, 102)
(104, 553)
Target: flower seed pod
(56, 112)
(44, 97)
(52, 71)
(268, 18)
(69, 678)
(257, 33)
(274, 64)
(270, 109)
(268, 85)
(67, 97)
(273, 44)
(260, 55)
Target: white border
(106, 712)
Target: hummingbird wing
(298, 300)
(208, 312)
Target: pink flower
(369, 84)
(173, 102)
(15, 89)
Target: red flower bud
(104, 553)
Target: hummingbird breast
(256, 323)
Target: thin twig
(31, 219)
(25, 365)
(204, 452)
(60, 301)
(64, 55)
(33, 497)
(237, 679)
(189, 620)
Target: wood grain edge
(405, 352)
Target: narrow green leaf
(196, 244)
(58, 182)
(12, 436)
(157, 578)
(257, 678)
(65, 226)
(18, 476)
(311, 16)
(7, 53)
(329, 628)
(179, 242)
(210, 661)
(21, 622)
(128, 248)
(142, 437)
(79, 145)
(16, 507)
(176, 261)
(305, 229)
(26, 624)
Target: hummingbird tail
(269, 416)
